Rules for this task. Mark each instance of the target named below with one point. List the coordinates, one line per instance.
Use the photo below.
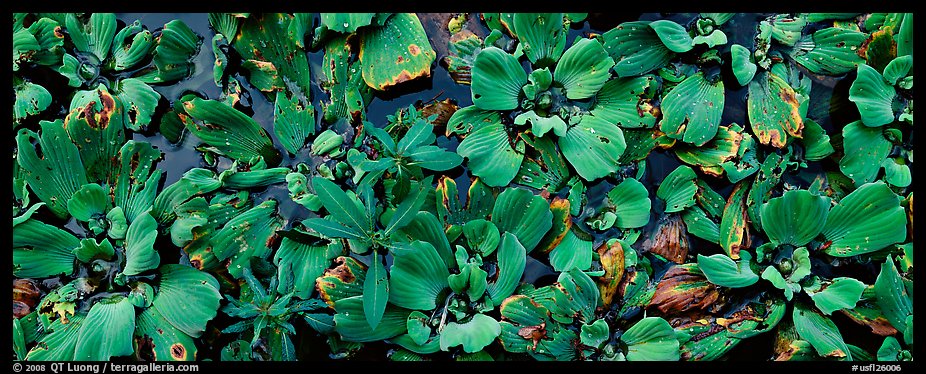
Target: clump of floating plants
(654, 190)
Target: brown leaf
(670, 240)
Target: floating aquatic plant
(557, 192)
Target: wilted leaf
(247, 235)
(684, 287)
(774, 110)
(31, 99)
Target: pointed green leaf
(397, 52)
(795, 218)
(692, 110)
(868, 219)
(474, 335)
(583, 69)
(497, 80)
(375, 292)
(406, 211)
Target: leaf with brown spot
(734, 233)
(398, 39)
(774, 109)
(157, 340)
(612, 261)
(562, 222)
(462, 50)
(342, 281)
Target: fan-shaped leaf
(774, 110)
(174, 53)
(892, 296)
(157, 339)
(593, 147)
(187, 298)
(497, 80)
(293, 121)
(95, 36)
(541, 36)
(743, 68)
(346, 22)
(307, 261)
(672, 35)
(678, 189)
(247, 235)
(41, 250)
(95, 125)
(721, 270)
(474, 334)
(419, 276)
(523, 214)
(140, 254)
(571, 253)
(631, 204)
(59, 343)
(820, 331)
(873, 96)
(490, 154)
(583, 69)
(88, 202)
(651, 339)
(230, 131)
(626, 102)
(795, 218)
(830, 51)
(692, 110)
(866, 149)
(868, 219)
(635, 48)
(31, 99)
(137, 180)
(353, 327)
(842, 293)
(115, 338)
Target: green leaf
(419, 276)
(894, 299)
(651, 339)
(774, 110)
(491, 156)
(497, 80)
(95, 36)
(583, 69)
(140, 254)
(594, 334)
(482, 236)
(868, 219)
(101, 344)
(90, 250)
(233, 133)
(868, 148)
(90, 201)
(31, 99)
(523, 214)
(842, 293)
(41, 250)
(139, 101)
(407, 210)
(307, 261)
(247, 235)
(293, 121)
(187, 298)
(512, 261)
(541, 36)
(795, 218)
(58, 173)
(397, 52)
(346, 22)
(820, 331)
(699, 224)
(873, 96)
(631, 204)
(375, 292)
(593, 147)
(692, 110)
(474, 335)
(59, 343)
(173, 56)
(542, 125)
(673, 35)
(721, 270)
(626, 102)
(678, 189)
(341, 207)
(165, 342)
(571, 253)
(137, 181)
(426, 227)
(816, 142)
(830, 51)
(418, 329)
(578, 293)
(353, 327)
(743, 68)
(890, 350)
(898, 69)
(636, 48)
(131, 45)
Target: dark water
(179, 158)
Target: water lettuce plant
(467, 186)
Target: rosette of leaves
(556, 104)
(267, 315)
(402, 159)
(125, 302)
(127, 60)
